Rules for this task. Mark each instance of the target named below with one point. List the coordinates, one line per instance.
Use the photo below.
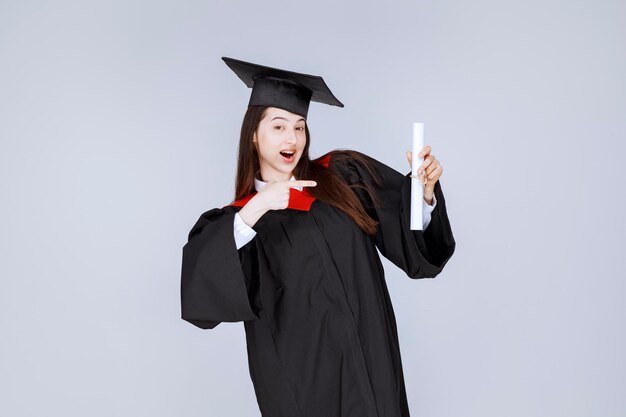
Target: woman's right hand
(273, 196)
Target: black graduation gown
(310, 288)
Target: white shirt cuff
(242, 232)
(426, 210)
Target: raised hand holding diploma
(423, 178)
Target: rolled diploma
(417, 188)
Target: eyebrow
(279, 117)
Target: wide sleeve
(420, 254)
(218, 282)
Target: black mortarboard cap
(291, 91)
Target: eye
(278, 127)
(301, 128)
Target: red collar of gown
(298, 200)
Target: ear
(254, 137)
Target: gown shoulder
(420, 254)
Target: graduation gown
(310, 289)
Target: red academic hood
(298, 200)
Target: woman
(295, 258)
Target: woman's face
(279, 140)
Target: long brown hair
(330, 188)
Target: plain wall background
(119, 123)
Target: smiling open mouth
(288, 155)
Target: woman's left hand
(431, 167)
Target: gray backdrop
(119, 125)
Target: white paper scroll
(417, 188)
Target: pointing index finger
(302, 183)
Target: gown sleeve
(218, 281)
(420, 254)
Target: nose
(293, 137)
